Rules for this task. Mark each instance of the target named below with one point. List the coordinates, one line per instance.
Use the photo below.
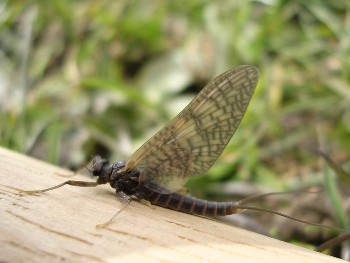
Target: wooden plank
(60, 226)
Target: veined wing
(190, 143)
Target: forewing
(190, 144)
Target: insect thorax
(125, 181)
(114, 173)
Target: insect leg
(142, 200)
(69, 182)
(146, 202)
(126, 199)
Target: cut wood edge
(60, 225)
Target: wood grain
(60, 226)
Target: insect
(187, 146)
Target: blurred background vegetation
(81, 78)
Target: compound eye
(96, 172)
(120, 165)
(96, 165)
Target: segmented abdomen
(189, 205)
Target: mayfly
(187, 146)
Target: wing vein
(190, 144)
